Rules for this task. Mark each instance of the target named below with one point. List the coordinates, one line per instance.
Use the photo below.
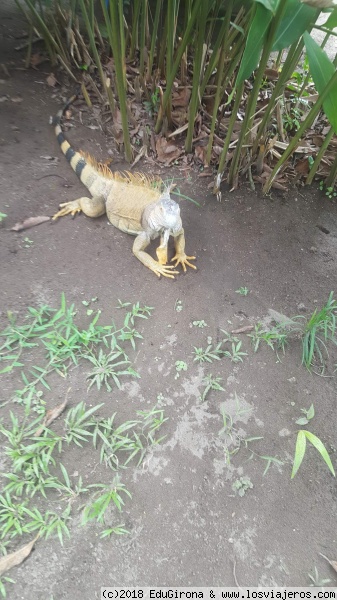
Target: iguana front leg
(180, 256)
(92, 207)
(141, 242)
(162, 248)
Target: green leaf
(322, 70)
(311, 412)
(295, 21)
(315, 441)
(331, 23)
(256, 37)
(301, 443)
(302, 421)
(269, 4)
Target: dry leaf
(51, 80)
(181, 98)
(16, 558)
(167, 152)
(302, 166)
(53, 414)
(243, 329)
(30, 222)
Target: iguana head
(162, 216)
(167, 213)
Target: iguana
(133, 202)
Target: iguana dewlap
(133, 203)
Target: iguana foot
(165, 270)
(183, 260)
(67, 208)
(162, 255)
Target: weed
(106, 366)
(316, 579)
(178, 306)
(27, 243)
(4, 580)
(317, 330)
(117, 530)
(180, 365)
(200, 324)
(152, 105)
(210, 383)
(208, 354)
(236, 354)
(242, 485)
(243, 291)
(275, 338)
(314, 333)
(131, 438)
(330, 191)
(309, 414)
(300, 448)
(79, 423)
(2, 216)
(102, 498)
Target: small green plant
(27, 243)
(208, 354)
(210, 383)
(102, 499)
(2, 216)
(243, 291)
(236, 354)
(242, 485)
(319, 329)
(317, 580)
(79, 423)
(152, 105)
(180, 365)
(178, 306)
(300, 448)
(3, 581)
(309, 414)
(276, 337)
(200, 324)
(106, 367)
(329, 191)
(117, 530)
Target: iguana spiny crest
(133, 203)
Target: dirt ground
(187, 526)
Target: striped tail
(74, 158)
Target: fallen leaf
(181, 98)
(243, 329)
(30, 222)
(16, 558)
(167, 152)
(302, 166)
(53, 414)
(51, 80)
(36, 59)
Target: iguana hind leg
(141, 242)
(92, 207)
(180, 256)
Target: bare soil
(187, 526)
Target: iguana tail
(80, 163)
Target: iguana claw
(183, 260)
(67, 208)
(165, 270)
